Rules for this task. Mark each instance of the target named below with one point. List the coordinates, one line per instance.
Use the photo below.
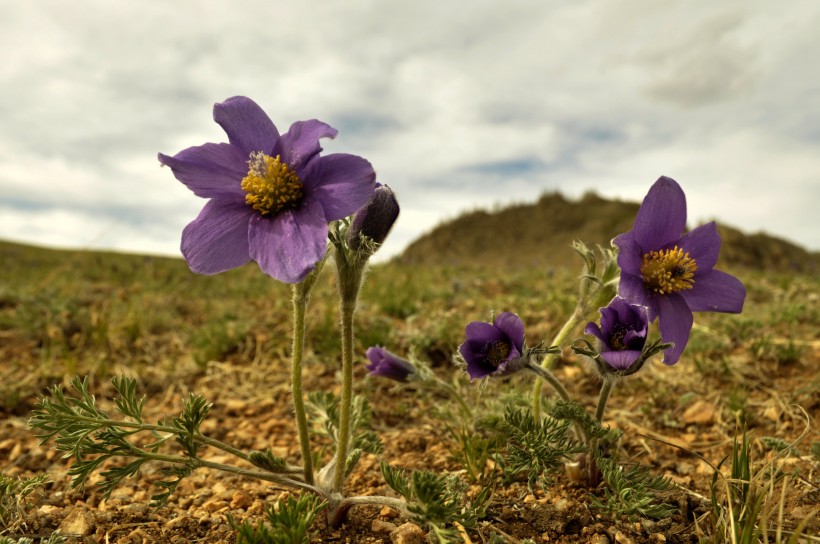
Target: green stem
(266, 476)
(547, 376)
(606, 389)
(161, 429)
(300, 299)
(348, 307)
(465, 408)
(550, 359)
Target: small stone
(529, 498)
(701, 412)
(562, 505)
(213, 505)
(240, 499)
(598, 538)
(657, 537)
(408, 533)
(77, 523)
(387, 512)
(623, 539)
(381, 526)
(48, 509)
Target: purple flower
(271, 195)
(375, 219)
(385, 364)
(672, 273)
(491, 347)
(622, 333)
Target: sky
(459, 105)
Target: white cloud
(457, 104)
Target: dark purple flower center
(616, 337)
(668, 271)
(271, 184)
(497, 352)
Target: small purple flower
(271, 196)
(385, 364)
(490, 348)
(375, 219)
(672, 273)
(622, 333)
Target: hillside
(540, 234)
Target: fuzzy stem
(606, 389)
(550, 359)
(549, 377)
(348, 307)
(300, 299)
(465, 408)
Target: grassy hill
(540, 234)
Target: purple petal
(609, 318)
(703, 245)
(288, 246)
(594, 330)
(511, 325)
(301, 143)
(629, 253)
(248, 127)
(631, 288)
(715, 291)
(480, 331)
(342, 183)
(675, 322)
(661, 218)
(210, 170)
(620, 360)
(217, 240)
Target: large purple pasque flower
(385, 364)
(271, 196)
(672, 273)
(490, 347)
(622, 333)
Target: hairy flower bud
(375, 219)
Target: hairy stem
(606, 389)
(348, 307)
(300, 299)
(550, 359)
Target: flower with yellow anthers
(271, 196)
(672, 273)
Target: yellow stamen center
(498, 353)
(668, 271)
(271, 184)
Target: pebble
(408, 533)
(240, 499)
(599, 539)
(381, 526)
(387, 512)
(77, 523)
(622, 538)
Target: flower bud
(374, 220)
(385, 364)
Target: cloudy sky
(458, 105)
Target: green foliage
(437, 501)
(324, 409)
(631, 491)
(91, 437)
(53, 539)
(13, 494)
(537, 447)
(288, 522)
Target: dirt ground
(252, 411)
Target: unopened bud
(375, 219)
